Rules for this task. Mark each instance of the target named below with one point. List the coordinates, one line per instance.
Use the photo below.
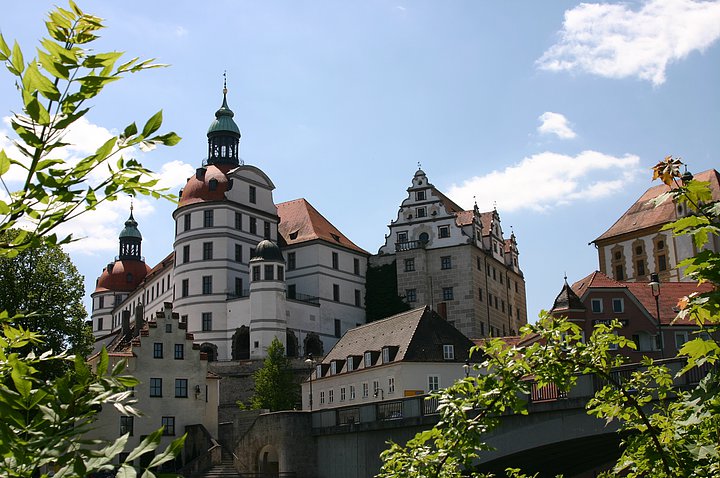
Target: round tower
(118, 278)
(267, 299)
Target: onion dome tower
(118, 278)
(223, 136)
(267, 298)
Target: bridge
(556, 436)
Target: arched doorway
(210, 350)
(313, 345)
(268, 461)
(241, 343)
(292, 344)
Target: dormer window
(448, 352)
(350, 363)
(318, 370)
(388, 353)
(369, 359)
(333, 368)
(212, 184)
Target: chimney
(139, 319)
(125, 322)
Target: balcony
(410, 245)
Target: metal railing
(430, 406)
(546, 393)
(348, 416)
(389, 410)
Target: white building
(411, 353)
(306, 287)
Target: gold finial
(419, 166)
(225, 82)
(131, 204)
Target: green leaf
(149, 444)
(170, 452)
(4, 49)
(4, 162)
(152, 124)
(49, 64)
(34, 80)
(16, 60)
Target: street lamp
(311, 361)
(655, 286)
(382, 393)
(466, 367)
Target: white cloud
(180, 31)
(174, 174)
(547, 180)
(615, 41)
(557, 124)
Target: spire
(223, 134)
(130, 239)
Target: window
(256, 273)
(185, 287)
(253, 225)
(402, 237)
(365, 390)
(208, 218)
(207, 251)
(662, 263)
(356, 267)
(269, 272)
(444, 231)
(291, 261)
(358, 298)
(206, 321)
(368, 359)
(391, 385)
(446, 262)
(168, 424)
(100, 323)
(335, 260)
(596, 305)
(420, 195)
(411, 295)
(181, 388)
(409, 265)
(386, 354)
(342, 394)
(433, 383)
(266, 230)
(207, 285)
(280, 273)
(619, 272)
(480, 295)
(331, 395)
(322, 398)
(336, 292)
(238, 221)
(640, 266)
(292, 291)
(337, 328)
(421, 212)
(447, 293)
(350, 363)
(680, 339)
(238, 253)
(618, 305)
(376, 388)
(126, 425)
(238, 287)
(101, 302)
(179, 351)
(156, 387)
(448, 352)
(352, 392)
(186, 220)
(252, 195)
(186, 254)
(494, 271)
(158, 350)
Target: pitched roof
(567, 299)
(642, 214)
(418, 334)
(301, 222)
(670, 294)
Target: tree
(667, 432)
(275, 388)
(44, 280)
(43, 419)
(381, 294)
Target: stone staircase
(225, 469)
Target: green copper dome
(130, 229)
(223, 122)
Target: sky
(553, 112)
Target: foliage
(44, 280)
(667, 431)
(44, 419)
(55, 88)
(381, 294)
(275, 388)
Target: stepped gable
(642, 214)
(301, 222)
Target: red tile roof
(642, 214)
(670, 294)
(301, 222)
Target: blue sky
(554, 111)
